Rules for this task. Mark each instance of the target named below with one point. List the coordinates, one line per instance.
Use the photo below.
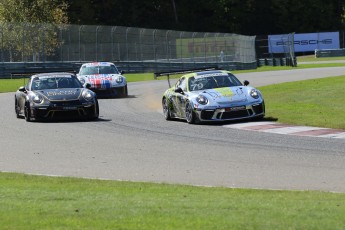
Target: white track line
(289, 130)
(269, 127)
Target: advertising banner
(304, 42)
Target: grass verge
(317, 102)
(37, 202)
(311, 58)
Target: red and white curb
(274, 127)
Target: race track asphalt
(131, 141)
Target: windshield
(40, 83)
(89, 70)
(212, 82)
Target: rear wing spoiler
(168, 73)
(29, 73)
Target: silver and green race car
(213, 95)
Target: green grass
(36, 202)
(133, 77)
(317, 102)
(311, 58)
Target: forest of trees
(247, 17)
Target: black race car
(55, 95)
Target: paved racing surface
(132, 141)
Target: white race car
(214, 95)
(105, 79)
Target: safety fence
(46, 43)
(286, 55)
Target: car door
(180, 97)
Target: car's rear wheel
(27, 112)
(166, 110)
(190, 114)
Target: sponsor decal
(210, 75)
(305, 42)
(97, 64)
(237, 108)
(225, 92)
(61, 93)
(53, 76)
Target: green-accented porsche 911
(213, 95)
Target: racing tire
(97, 111)
(124, 91)
(27, 112)
(16, 108)
(166, 109)
(95, 116)
(190, 114)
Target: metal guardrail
(329, 53)
(18, 69)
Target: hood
(101, 80)
(226, 95)
(61, 94)
(103, 77)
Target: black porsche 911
(55, 95)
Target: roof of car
(206, 73)
(97, 64)
(54, 74)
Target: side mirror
(22, 89)
(179, 90)
(122, 72)
(88, 85)
(245, 83)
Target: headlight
(87, 95)
(202, 99)
(254, 93)
(119, 80)
(37, 98)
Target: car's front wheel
(166, 110)
(27, 112)
(190, 114)
(16, 108)
(96, 115)
(124, 91)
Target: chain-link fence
(284, 56)
(27, 42)
(30, 48)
